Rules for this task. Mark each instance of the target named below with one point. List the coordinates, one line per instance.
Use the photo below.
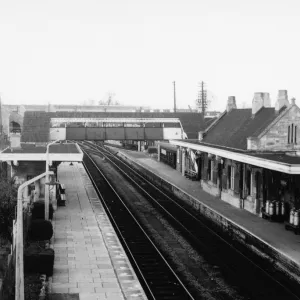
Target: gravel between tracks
(202, 278)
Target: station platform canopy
(31, 152)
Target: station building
(246, 156)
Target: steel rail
(168, 290)
(101, 149)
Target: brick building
(248, 156)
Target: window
(292, 134)
(248, 182)
(229, 177)
(211, 170)
(232, 178)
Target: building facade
(248, 157)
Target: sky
(71, 51)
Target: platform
(89, 259)
(271, 234)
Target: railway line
(252, 280)
(157, 277)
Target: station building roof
(234, 127)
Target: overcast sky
(69, 51)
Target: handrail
(47, 179)
(19, 284)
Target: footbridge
(41, 127)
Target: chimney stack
(231, 103)
(267, 100)
(282, 100)
(258, 102)
(293, 101)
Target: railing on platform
(18, 239)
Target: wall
(95, 133)
(154, 134)
(115, 133)
(249, 204)
(134, 133)
(230, 197)
(210, 188)
(76, 133)
(171, 133)
(277, 137)
(15, 140)
(58, 134)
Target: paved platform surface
(274, 234)
(89, 259)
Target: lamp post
(47, 181)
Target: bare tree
(109, 99)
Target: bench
(62, 188)
(61, 196)
(289, 226)
(61, 201)
(190, 175)
(272, 218)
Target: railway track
(236, 266)
(155, 274)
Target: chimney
(293, 101)
(200, 135)
(231, 103)
(282, 100)
(267, 100)
(258, 102)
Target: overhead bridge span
(116, 129)
(40, 127)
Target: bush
(38, 211)
(41, 230)
(38, 259)
(8, 202)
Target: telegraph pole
(202, 98)
(174, 97)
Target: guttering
(243, 157)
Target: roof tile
(233, 129)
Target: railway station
(239, 172)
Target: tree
(8, 202)
(109, 99)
